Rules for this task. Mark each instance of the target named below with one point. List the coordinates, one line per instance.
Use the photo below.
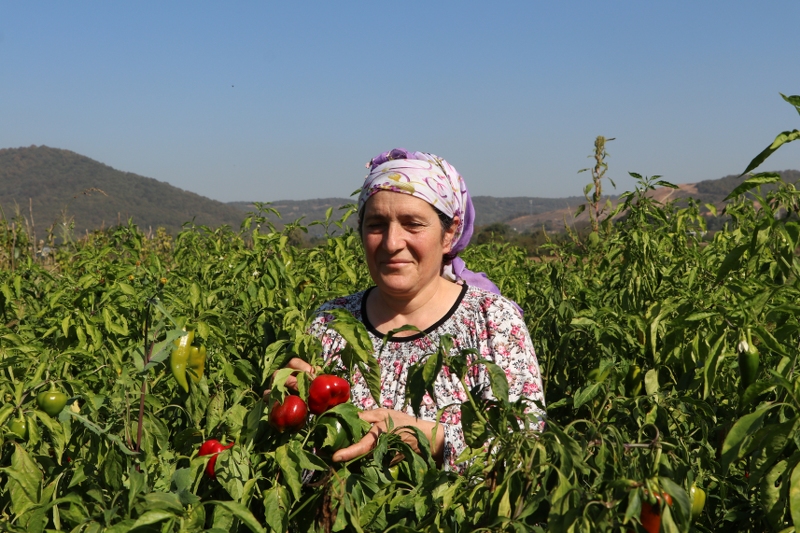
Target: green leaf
(700, 315)
(753, 182)
(711, 364)
(587, 394)
(473, 425)
(498, 381)
(768, 340)
(126, 289)
(767, 445)
(731, 261)
(795, 101)
(771, 487)
(252, 421)
(664, 183)
(163, 349)
(354, 333)
(780, 140)
(348, 415)
(359, 350)
(754, 391)
(679, 496)
(215, 411)
(5, 412)
(202, 329)
(290, 470)
(276, 508)
(651, 382)
(744, 427)
(794, 491)
(433, 365)
(304, 459)
(24, 479)
(152, 517)
(242, 513)
(194, 294)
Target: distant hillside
(488, 209)
(65, 185)
(522, 213)
(705, 192)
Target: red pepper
(651, 514)
(289, 415)
(327, 391)
(212, 447)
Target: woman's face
(403, 241)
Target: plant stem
(148, 353)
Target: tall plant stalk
(598, 173)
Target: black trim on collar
(433, 327)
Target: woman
(415, 215)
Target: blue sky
(277, 100)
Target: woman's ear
(447, 241)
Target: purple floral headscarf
(430, 178)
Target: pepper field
(642, 331)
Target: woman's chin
(403, 287)
(397, 290)
(397, 286)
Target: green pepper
(19, 427)
(748, 362)
(598, 376)
(698, 497)
(196, 364)
(52, 401)
(633, 381)
(179, 359)
(331, 436)
(187, 359)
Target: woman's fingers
(379, 420)
(374, 416)
(291, 383)
(298, 364)
(359, 448)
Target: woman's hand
(291, 382)
(379, 419)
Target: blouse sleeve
(511, 348)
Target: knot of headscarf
(430, 178)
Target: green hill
(62, 186)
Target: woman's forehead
(396, 203)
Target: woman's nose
(392, 239)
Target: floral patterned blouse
(481, 320)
